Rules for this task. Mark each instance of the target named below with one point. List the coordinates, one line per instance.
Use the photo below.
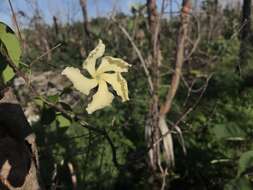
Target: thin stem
(15, 21)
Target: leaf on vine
(11, 43)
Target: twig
(239, 29)
(45, 53)
(15, 21)
(113, 148)
(182, 117)
(189, 92)
(194, 47)
(187, 112)
(196, 43)
(138, 52)
(107, 137)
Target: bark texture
(152, 130)
(180, 57)
(18, 152)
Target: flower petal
(112, 64)
(79, 81)
(119, 84)
(101, 99)
(90, 62)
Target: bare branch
(44, 54)
(138, 52)
(15, 21)
(179, 57)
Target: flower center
(97, 77)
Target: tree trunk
(156, 127)
(245, 35)
(19, 168)
(152, 130)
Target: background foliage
(218, 133)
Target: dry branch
(138, 52)
(180, 57)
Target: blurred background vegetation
(217, 132)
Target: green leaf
(11, 43)
(63, 121)
(54, 98)
(38, 101)
(228, 131)
(8, 74)
(238, 184)
(245, 162)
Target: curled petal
(79, 81)
(112, 64)
(101, 99)
(118, 83)
(90, 63)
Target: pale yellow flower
(108, 72)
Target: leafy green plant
(10, 47)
